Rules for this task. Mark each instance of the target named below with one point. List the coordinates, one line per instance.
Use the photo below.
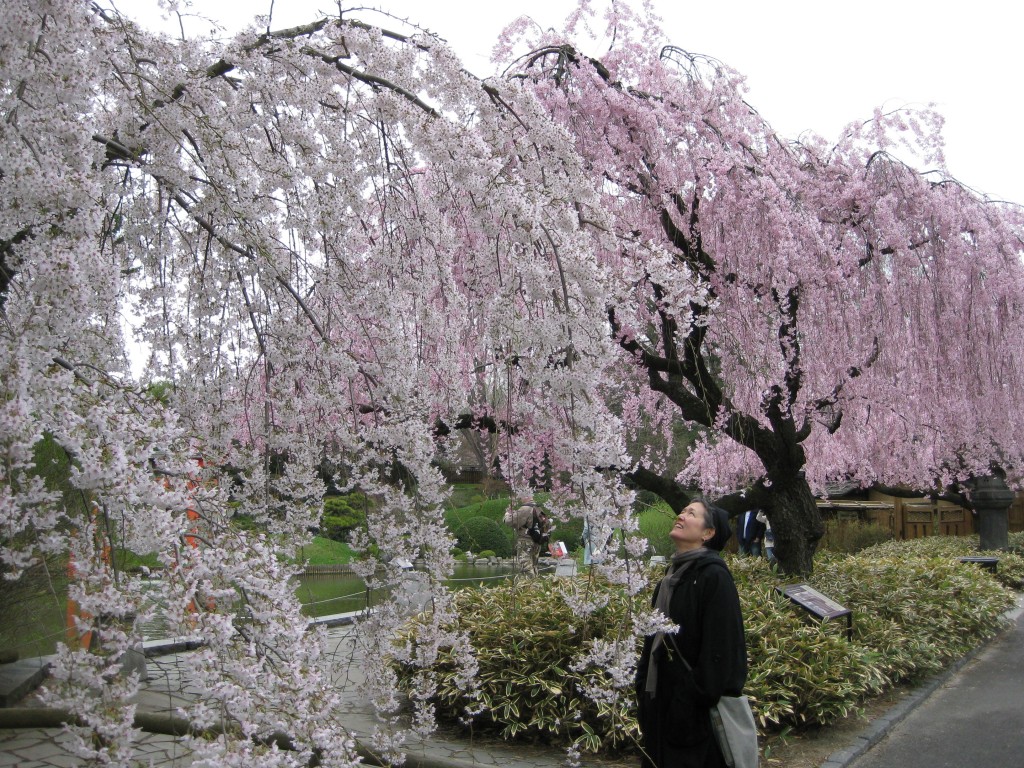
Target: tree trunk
(796, 524)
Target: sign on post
(817, 604)
(988, 563)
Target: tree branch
(666, 488)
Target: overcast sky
(810, 64)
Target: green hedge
(570, 532)
(480, 533)
(524, 642)
(1009, 571)
(912, 615)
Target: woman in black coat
(698, 594)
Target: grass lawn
(326, 552)
(464, 494)
(493, 509)
(126, 560)
(321, 551)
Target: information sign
(812, 601)
(815, 602)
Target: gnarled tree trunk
(796, 524)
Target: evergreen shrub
(570, 532)
(481, 533)
(1009, 571)
(342, 514)
(912, 615)
(525, 640)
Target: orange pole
(74, 612)
(75, 638)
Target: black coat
(750, 528)
(676, 723)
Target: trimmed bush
(480, 533)
(342, 514)
(1009, 572)
(655, 523)
(569, 531)
(524, 639)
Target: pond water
(321, 595)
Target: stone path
(165, 690)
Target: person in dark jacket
(751, 533)
(699, 595)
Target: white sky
(810, 64)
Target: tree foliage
(339, 248)
(823, 312)
(342, 515)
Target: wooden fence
(910, 518)
(914, 518)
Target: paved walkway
(164, 691)
(972, 715)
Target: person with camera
(533, 530)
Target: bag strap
(672, 639)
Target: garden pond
(42, 625)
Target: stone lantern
(992, 499)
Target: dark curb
(880, 727)
(19, 678)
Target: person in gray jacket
(532, 529)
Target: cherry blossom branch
(7, 248)
(119, 151)
(828, 403)
(706, 407)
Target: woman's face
(690, 529)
